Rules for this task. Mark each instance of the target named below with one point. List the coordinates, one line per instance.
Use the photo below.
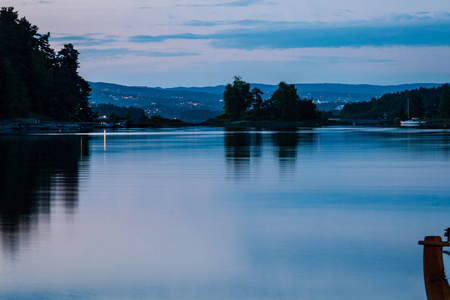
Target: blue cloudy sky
(206, 42)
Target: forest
(35, 80)
(432, 103)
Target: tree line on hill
(34, 79)
(432, 103)
(131, 116)
(241, 103)
(117, 113)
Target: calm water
(328, 213)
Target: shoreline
(24, 126)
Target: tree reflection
(243, 146)
(35, 172)
(240, 146)
(287, 142)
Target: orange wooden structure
(436, 283)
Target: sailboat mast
(408, 107)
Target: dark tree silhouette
(423, 102)
(444, 103)
(285, 99)
(256, 98)
(289, 106)
(283, 105)
(237, 97)
(416, 107)
(35, 79)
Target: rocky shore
(30, 125)
(36, 125)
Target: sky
(171, 43)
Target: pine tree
(33, 78)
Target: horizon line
(269, 84)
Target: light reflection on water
(221, 214)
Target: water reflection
(159, 206)
(242, 147)
(285, 146)
(36, 173)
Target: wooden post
(436, 284)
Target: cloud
(198, 23)
(122, 52)
(342, 60)
(237, 3)
(161, 38)
(167, 54)
(85, 40)
(240, 3)
(339, 36)
(394, 30)
(244, 23)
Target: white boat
(410, 123)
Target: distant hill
(200, 103)
(325, 95)
(194, 107)
(158, 93)
(366, 89)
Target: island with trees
(245, 105)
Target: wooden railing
(436, 283)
